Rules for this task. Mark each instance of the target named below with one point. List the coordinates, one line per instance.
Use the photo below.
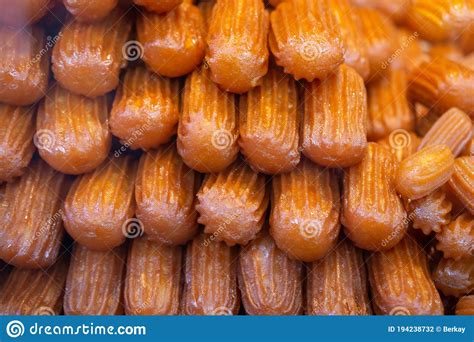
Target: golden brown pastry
(269, 124)
(153, 281)
(24, 65)
(159, 6)
(461, 183)
(72, 133)
(237, 52)
(305, 38)
(304, 220)
(456, 240)
(165, 194)
(465, 306)
(90, 10)
(100, 206)
(232, 204)
(401, 143)
(173, 43)
(145, 112)
(455, 277)
(208, 129)
(430, 213)
(30, 217)
(87, 57)
(334, 126)
(270, 282)
(17, 127)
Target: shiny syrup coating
(95, 282)
(24, 68)
(208, 125)
(442, 84)
(461, 183)
(72, 131)
(173, 43)
(30, 217)
(401, 143)
(455, 277)
(305, 39)
(465, 306)
(145, 112)
(337, 284)
(165, 195)
(456, 239)
(87, 57)
(430, 213)
(304, 219)
(269, 124)
(210, 284)
(34, 292)
(17, 128)
(388, 105)
(237, 52)
(158, 6)
(269, 281)
(373, 215)
(90, 10)
(232, 204)
(400, 282)
(453, 129)
(153, 280)
(100, 205)
(334, 126)
(396, 10)
(424, 171)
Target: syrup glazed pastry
(334, 128)
(208, 129)
(400, 282)
(304, 220)
(34, 292)
(337, 284)
(461, 183)
(90, 10)
(165, 194)
(394, 9)
(237, 51)
(30, 217)
(269, 124)
(431, 213)
(210, 284)
(72, 133)
(87, 57)
(17, 127)
(465, 306)
(270, 282)
(153, 281)
(173, 42)
(441, 84)
(305, 38)
(18, 13)
(373, 214)
(456, 240)
(24, 68)
(100, 205)
(401, 143)
(455, 277)
(158, 6)
(232, 204)
(95, 282)
(145, 112)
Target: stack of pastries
(165, 157)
